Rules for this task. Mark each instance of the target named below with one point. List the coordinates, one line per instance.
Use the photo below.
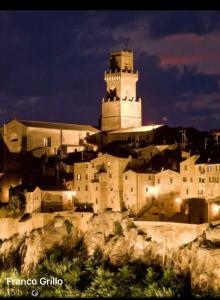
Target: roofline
(60, 123)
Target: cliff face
(120, 241)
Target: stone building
(200, 178)
(152, 195)
(48, 199)
(45, 137)
(100, 182)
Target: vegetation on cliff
(13, 209)
(94, 277)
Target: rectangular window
(184, 179)
(158, 180)
(187, 191)
(96, 188)
(126, 177)
(78, 176)
(109, 164)
(86, 188)
(78, 188)
(110, 175)
(149, 178)
(146, 189)
(209, 169)
(131, 189)
(111, 189)
(86, 176)
(47, 141)
(96, 201)
(171, 180)
(191, 179)
(86, 166)
(185, 167)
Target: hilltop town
(153, 172)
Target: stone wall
(172, 235)
(9, 226)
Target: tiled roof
(52, 125)
(136, 129)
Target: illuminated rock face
(121, 108)
(122, 241)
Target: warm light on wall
(153, 190)
(178, 200)
(215, 209)
(73, 193)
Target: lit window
(109, 164)
(47, 141)
(78, 176)
(209, 169)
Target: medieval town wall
(10, 226)
(172, 235)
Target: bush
(131, 225)
(118, 230)
(69, 226)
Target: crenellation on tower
(121, 108)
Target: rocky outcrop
(31, 249)
(120, 241)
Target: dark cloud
(52, 64)
(199, 22)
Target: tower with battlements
(120, 107)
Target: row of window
(96, 188)
(212, 179)
(79, 177)
(208, 168)
(200, 192)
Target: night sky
(52, 64)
